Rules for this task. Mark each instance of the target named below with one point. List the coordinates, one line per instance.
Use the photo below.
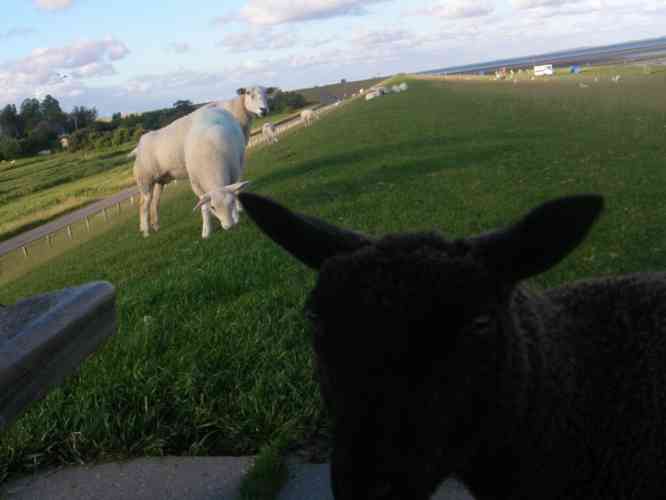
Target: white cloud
(58, 68)
(270, 12)
(53, 4)
(166, 82)
(533, 4)
(258, 39)
(460, 9)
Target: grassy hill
(212, 354)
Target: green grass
(338, 90)
(268, 474)
(212, 353)
(38, 189)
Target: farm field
(38, 189)
(212, 355)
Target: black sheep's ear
(539, 240)
(240, 91)
(309, 239)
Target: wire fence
(35, 247)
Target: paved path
(178, 478)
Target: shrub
(120, 136)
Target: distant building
(544, 70)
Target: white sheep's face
(224, 204)
(255, 99)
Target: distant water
(594, 55)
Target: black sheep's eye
(212, 208)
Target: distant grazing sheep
(205, 146)
(308, 116)
(435, 361)
(616, 78)
(269, 132)
(396, 89)
(583, 85)
(371, 95)
(403, 86)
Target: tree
(9, 148)
(81, 117)
(10, 122)
(31, 113)
(182, 108)
(51, 112)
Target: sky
(137, 55)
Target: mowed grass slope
(212, 354)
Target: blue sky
(122, 55)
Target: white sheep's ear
(240, 91)
(309, 239)
(236, 188)
(539, 240)
(204, 199)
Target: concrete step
(177, 478)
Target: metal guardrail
(113, 205)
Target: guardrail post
(25, 251)
(69, 232)
(118, 208)
(131, 200)
(88, 223)
(49, 240)
(106, 215)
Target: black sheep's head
(407, 338)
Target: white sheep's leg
(144, 222)
(155, 207)
(207, 223)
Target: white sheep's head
(409, 334)
(255, 100)
(223, 203)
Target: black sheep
(434, 361)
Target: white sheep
(208, 146)
(269, 132)
(403, 86)
(396, 89)
(616, 79)
(308, 116)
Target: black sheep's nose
(264, 110)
